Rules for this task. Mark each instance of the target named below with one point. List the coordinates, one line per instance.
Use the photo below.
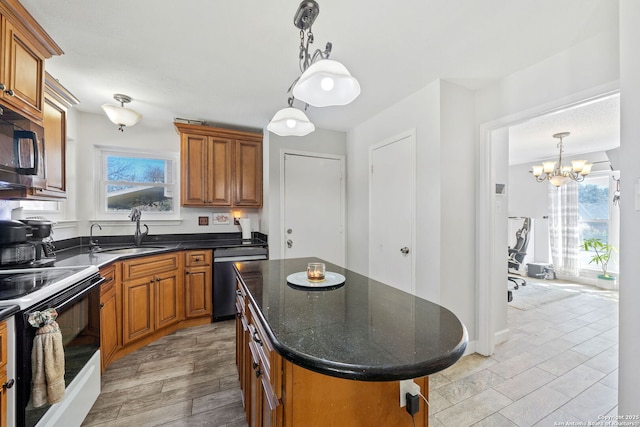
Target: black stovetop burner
(17, 284)
(22, 285)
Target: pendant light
(323, 82)
(120, 115)
(290, 121)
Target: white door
(313, 207)
(392, 212)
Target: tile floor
(560, 364)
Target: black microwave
(21, 150)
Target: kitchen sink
(132, 250)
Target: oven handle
(61, 302)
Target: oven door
(78, 310)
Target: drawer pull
(256, 338)
(8, 384)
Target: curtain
(563, 228)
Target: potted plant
(602, 255)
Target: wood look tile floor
(188, 378)
(560, 364)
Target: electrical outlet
(407, 386)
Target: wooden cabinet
(152, 295)
(220, 167)
(259, 367)
(3, 373)
(198, 284)
(57, 101)
(24, 48)
(110, 319)
(277, 392)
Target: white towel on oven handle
(47, 360)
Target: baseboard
(502, 336)
(471, 348)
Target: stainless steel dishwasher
(224, 280)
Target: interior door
(314, 207)
(392, 212)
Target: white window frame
(101, 165)
(613, 228)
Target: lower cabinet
(110, 322)
(148, 297)
(259, 367)
(151, 302)
(198, 284)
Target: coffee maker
(41, 231)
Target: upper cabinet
(220, 167)
(57, 100)
(23, 50)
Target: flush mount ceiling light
(120, 115)
(323, 82)
(290, 122)
(556, 173)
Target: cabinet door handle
(2, 86)
(9, 92)
(152, 280)
(186, 272)
(238, 292)
(8, 384)
(255, 365)
(258, 373)
(101, 305)
(256, 338)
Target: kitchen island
(335, 355)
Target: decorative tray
(330, 279)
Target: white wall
(319, 141)
(629, 374)
(90, 130)
(443, 115)
(586, 70)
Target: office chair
(518, 252)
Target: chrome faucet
(135, 216)
(93, 244)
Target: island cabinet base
(313, 399)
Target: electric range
(28, 286)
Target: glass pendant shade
(325, 83)
(290, 122)
(121, 116)
(558, 180)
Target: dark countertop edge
(169, 246)
(6, 311)
(361, 372)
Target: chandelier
(556, 172)
(323, 82)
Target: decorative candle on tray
(315, 271)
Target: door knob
(289, 243)
(405, 250)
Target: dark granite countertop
(362, 330)
(7, 311)
(77, 252)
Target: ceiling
(594, 127)
(231, 62)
